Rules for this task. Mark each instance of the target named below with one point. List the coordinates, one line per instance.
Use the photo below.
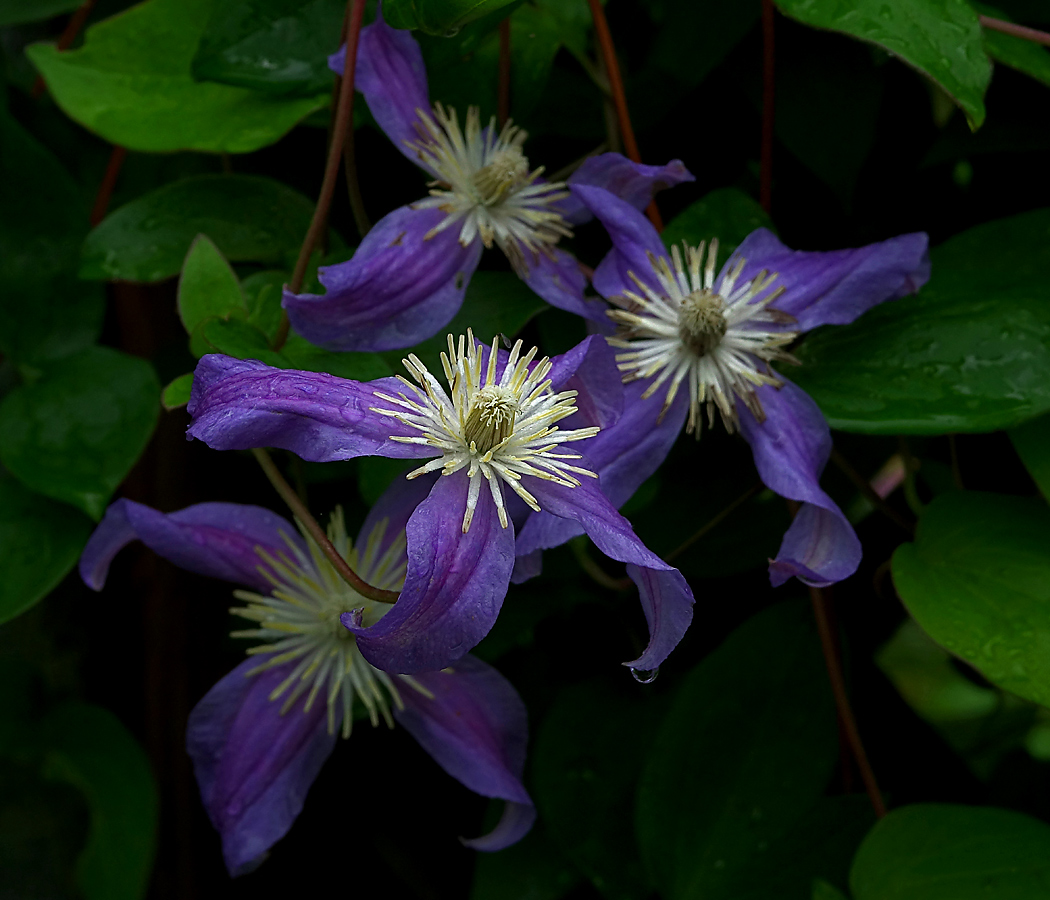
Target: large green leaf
(939, 38)
(440, 17)
(746, 750)
(40, 542)
(1015, 52)
(131, 84)
(74, 434)
(727, 214)
(14, 11)
(87, 747)
(941, 852)
(532, 869)
(208, 286)
(279, 46)
(977, 579)
(250, 219)
(970, 352)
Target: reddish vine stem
(109, 181)
(296, 505)
(612, 68)
(838, 688)
(65, 40)
(864, 486)
(503, 101)
(1018, 31)
(765, 189)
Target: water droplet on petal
(645, 676)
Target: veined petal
(667, 601)
(455, 585)
(254, 766)
(836, 286)
(214, 539)
(558, 280)
(791, 448)
(634, 183)
(476, 729)
(590, 369)
(238, 404)
(399, 287)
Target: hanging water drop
(645, 676)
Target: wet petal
(476, 729)
(253, 765)
(635, 183)
(398, 289)
(242, 403)
(835, 287)
(667, 602)
(214, 539)
(455, 585)
(791, 448)
(560, 282)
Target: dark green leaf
(74, 434)
(87, 747)
(970, 352)
(939, 38)
(727, 214)
(12, 12)
(1015, 52)
(532, 869)
(439, 17)
(278, 46)
(977, 579)
(208, 286)
(131, 84)
(250, 219)
(235, 337)
(299, 354)
(747, 748)
(1032, 443)
(40, 542)
(824, 891)
(940, 852)
(177, 393)
(262, 296)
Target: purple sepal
(394, 507)
(561, 283)
(514, 824)
(398, 289)
(667, 602)
(237, 404)
(253, 765)
(632, 182)
(214, 539)
(590, 369)
(791, 448)
(454, 588)
(476, 729)
(836, 286)
(528, 566)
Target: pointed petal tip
(517, 820)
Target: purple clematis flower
(259, 737)
(695, 343)
(408, 277)
(495, 438)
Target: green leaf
(970, 352)
(131, 84)
(276, 46)
(235, 337)
(87, 747)
(298, 353)
(1032, 443)
(13, 12)
(76, 432)
(824, 891)
(727, 214)
(250, 219)
(262, 296)
(439, 17)
(40, 542)
(716, 792)
(1017, 53)
(177, 393)
(977, 579)
(585, 768)
(532, 869)
(939, 38)
(940, 852)
(208, 286)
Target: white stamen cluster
(707, 335)
(487, 186)
(499, 425)
(299, 621)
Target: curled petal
(835, 287)
(214, 539)
(560, 282)
(635, 183)
(791, 448)
(454, 588)
(254, 766)
(667, 602)
(399, 287)
(476, 729)
(590, 369)
(242, 403)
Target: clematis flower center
(298, 622)
(484, 186)
(714, 336)
(498, 421)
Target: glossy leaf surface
(727, 214)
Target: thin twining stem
(870, 494)
(298, 508)
(109, 181)
(714, 521)
(1018, 31)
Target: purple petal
(455, 585)
(214, 539)
(528, 566)
(667, 602)
(632, 182)
(791, 448)
(254, 765)
(835, 287)
(237, 404)
(476, 729)
(590, 369)
(561, 283)
(399, 287)
(393, 510)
